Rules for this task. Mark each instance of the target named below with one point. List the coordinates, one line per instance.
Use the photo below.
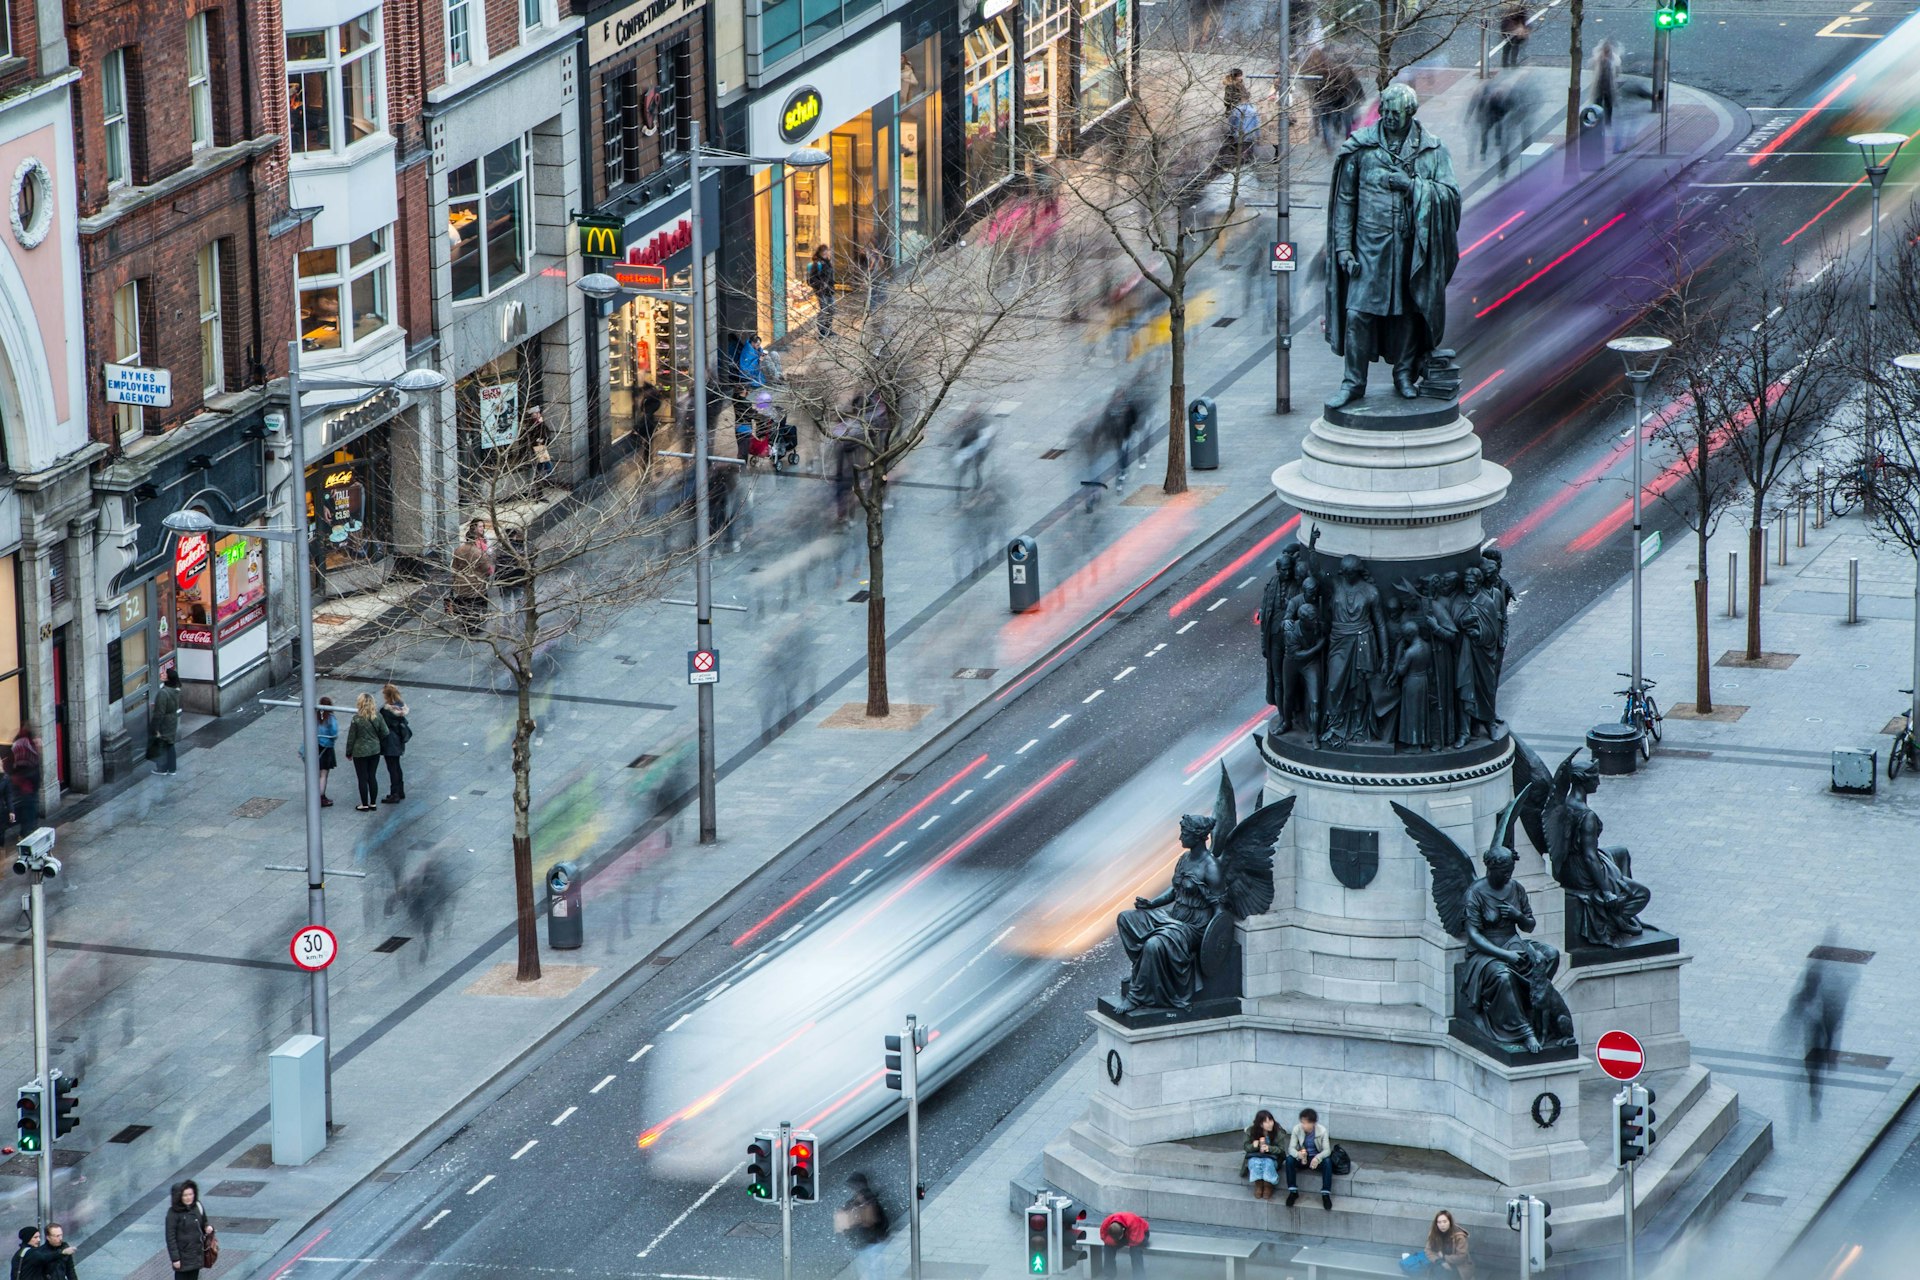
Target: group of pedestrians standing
(42, 1256)
(378, 731)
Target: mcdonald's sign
(601, 237)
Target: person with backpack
(393, 714)
(863, 1221)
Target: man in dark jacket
(863, 1220)
(52, 1259)
(29, 1237)
(166, 724)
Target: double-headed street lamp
(294, 533)
(1642, 354)
(602, 287)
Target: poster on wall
(239, 585)
(499, 414)
(193, 612)
(910, 171)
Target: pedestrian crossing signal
(27, 1125)
(1039, 1225)
(1671, 17)
(760, 1184)
(803, 1160)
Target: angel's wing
(1529, 769)
(1557, 817)
(1452, 869)
(1246, 858)
(1225, 812)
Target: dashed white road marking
(962, 796)
(603, 1084)
(897, 848)
(476, 1186)
(561, 1118)
(531, 1144)
(863, 875)
(428, 1225)
(1062, 720)
(1123, 675)
(640, 1053)
(1031, 743)
(997, 768)
(1182, 631)
(1216, 604)
(716, 991)
(929, 822)
(1244, 583)
(1090, 697)
(675, 1025)
(1157, 648)
(758, 957)
(829, 902)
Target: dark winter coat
(398, 730)
(365, 737)
(45, 1262)
(166, 714)
(187, 1235)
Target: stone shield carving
(1355, 856)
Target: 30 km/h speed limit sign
(314, 947)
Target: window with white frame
(125, 345)
(113, 101)
(531, 14)
(489, 221)
(335, 85)
(344, 292)
(459, 33)
(199, 84)
(212, 359)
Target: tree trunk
(526, 924)
(1384, 37)
(1702, 665)
(1756, 567)
(1177, 387)
(876, 509)
(1576, 15)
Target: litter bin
(1615, 747)
(1023, 574)
(1203, 434)
(565, 930)
(1593, 138)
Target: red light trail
(1491, 234)
(706, 1100)
(1585, 240)
(1241, 562)
(1794, 128)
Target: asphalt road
(1869, 1230)
(976, 892)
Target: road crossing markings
(603, 1084)
(531, 1144)
(428, 1225)
(559, 1119)
(641, 1053)
(1062, 720)
(476, 1186)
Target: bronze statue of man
(1393, 228)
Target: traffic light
(1043, 1239)
(761, 1184)
(803, 1168)
(66, 1101)
(1538, 1229)
(1633, 1123)
(898, 1079)
(27, 1125)
(903, 1070)
(1680, 16)
(1671, 16)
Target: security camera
(37, 843)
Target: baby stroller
(774, 437)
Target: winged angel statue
(1604, 902)
(1505, 983)
(1181, 938)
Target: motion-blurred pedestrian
(820, 279)
(1514, 30)
(1816, 1011)
(366, 739)
(472, 577)
(973, 438)
(163, 725)
(863, 1221)
(1499, 111)
(187, 1230)
(1344, 94)
(393, 713)
(26, 774)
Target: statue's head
(1410, 630)
(1307, 612)
(1499, 862)
(1194, 830)
(1450, 583)
(1585, 777)
(1472, 580)
(1350, 567)
(1494, 559)
(1309, 587)
(1398, 103)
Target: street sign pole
(783, 1173)
(910, 1078)
(43, 1162)
(1283, 289)
(1626, 1210)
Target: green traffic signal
(27, 1125)
(1664, 19)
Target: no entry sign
(314, 947)
(1620, 1055)
(703, 666)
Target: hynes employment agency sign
(131, 384)
(631, 25)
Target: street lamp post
(1642, 355)
(1877, 152)
(1911, 364)
(602, 287)
(295, 535)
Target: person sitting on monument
(1309, 1147)
(1445, 1253)
(1127, 1231)
(1263, 1146)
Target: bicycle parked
(1905, 754)
(1852, 488)
(1641, 711)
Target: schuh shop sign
(799, 113)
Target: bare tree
(542, 573)
(894, 351)
(1169, 183)
(1890, 467)
(1397, 34)
(1772, 354)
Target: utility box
(1203, 434)
(1856, 772)
(1023, 574)
(297, 1098)
(1593, 138)
(566, 931)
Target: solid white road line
(676, 1023)
(603, 1084)
(564, 1114)
(1182, 631)
(476, 1186)
(428, 1225)
(1031, 743)
(1123, 675)
(641, 1053)
(531, 1144)
(1090, 697)
(709, 1194)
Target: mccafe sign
(624, 28)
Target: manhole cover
(247, 1226)
(235, 1188)
(1840, 955)
(259, 807)
(393, 944)
(757, 1230)
(129, 1133)
(1051, 454)
(860, 597)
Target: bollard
(1800, 537)
(1483, 48)
(1733, 584)
(1820, 497)
(1853, 588)
(1781, 556)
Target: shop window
(621, 127)
(334, 85)
(133, 644)
(13, 680)
(648, 364)
(919, 147)
(113, 102)
(345, 517)
(496, 455)
(1106, 53)
(779, 30)
(345, 292)
(199, 86)
(125, 345)
(487, 221)
(212, 360)
(674, 107)
(989, 107)
(459, 33)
